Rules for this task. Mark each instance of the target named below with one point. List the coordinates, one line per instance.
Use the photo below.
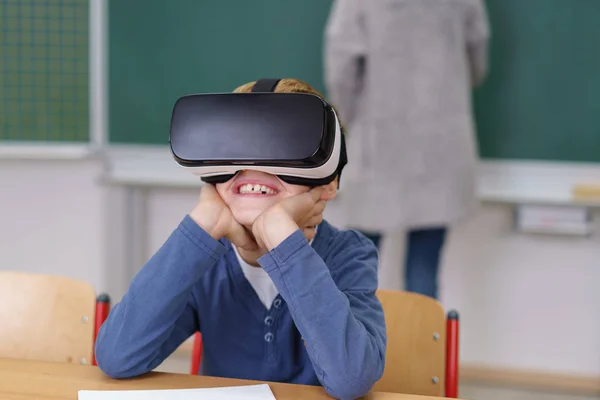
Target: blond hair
(288, 85)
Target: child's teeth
(250, 188)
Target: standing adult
(400, 74)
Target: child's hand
(303, 211)
(212, 214)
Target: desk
(24, 380)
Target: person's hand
(303, 211)
(212, 214)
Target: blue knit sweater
(325, 327)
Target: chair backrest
(46, 317)
(416, 347)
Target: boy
(278, 293)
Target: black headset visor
(295, 136)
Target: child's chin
(246, 217)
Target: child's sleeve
(345, 56)
(158, 312)
(336, 311)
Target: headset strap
(265, 85)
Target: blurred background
(89, 190)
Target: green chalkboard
(161, 50)
(44, 71)
(541, 100)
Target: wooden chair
(422, 347)
(49, 318)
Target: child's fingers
(208, 188)
(314, 221)
(319, 207)
(316, 193)
(208, 191)
(304, 204)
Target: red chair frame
(102, 311)
(196, 354)
(452, 357)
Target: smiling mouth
(250, 188)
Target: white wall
(525, 301)
(51, 218)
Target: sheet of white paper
(252, 392)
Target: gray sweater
(400, 73)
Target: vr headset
(295, 136)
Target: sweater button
(269, 321)
(277, 303)
(269, 337)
